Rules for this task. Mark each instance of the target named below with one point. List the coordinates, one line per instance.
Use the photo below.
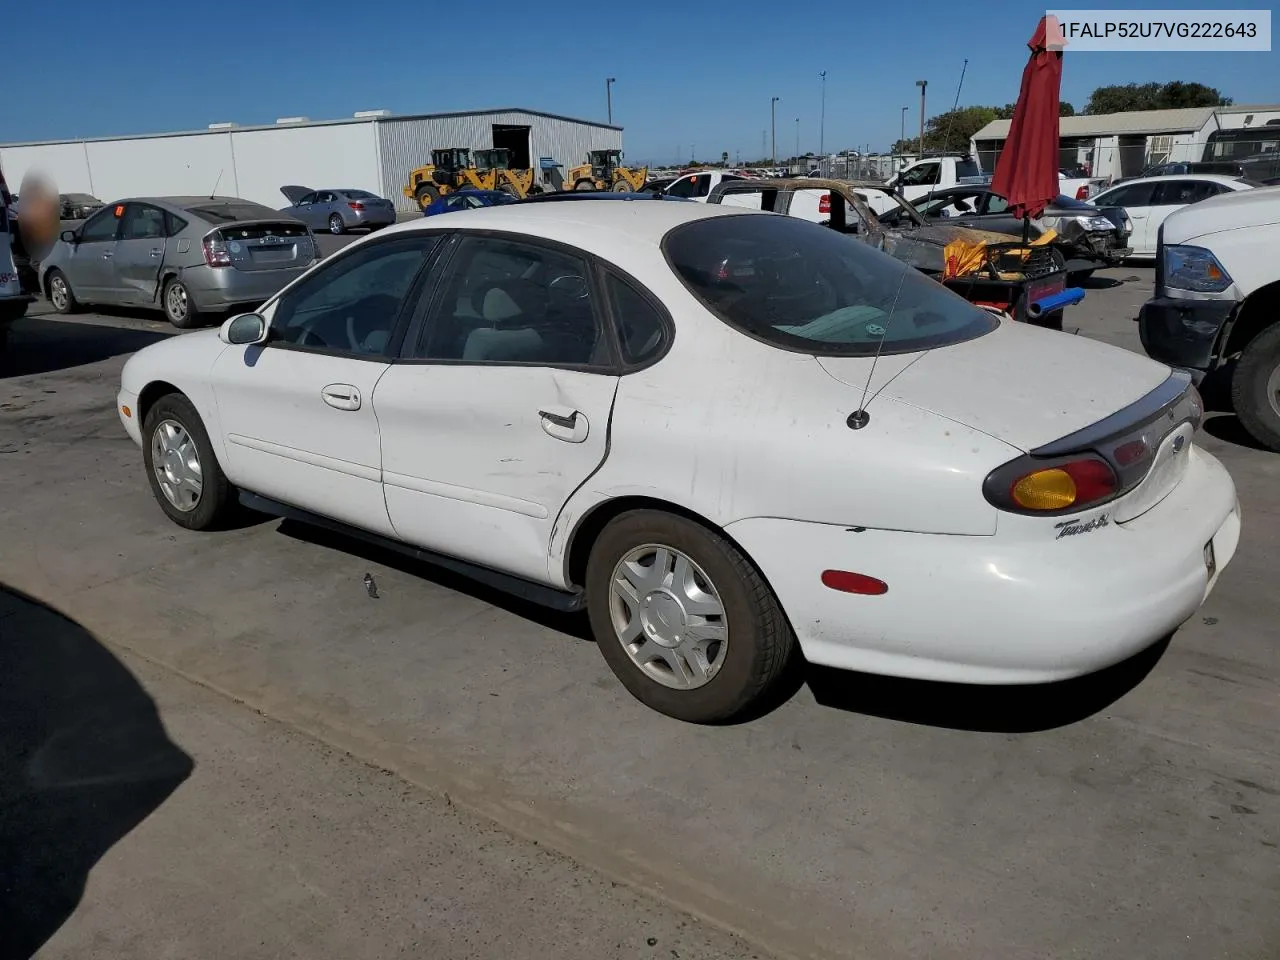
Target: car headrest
(513, 303)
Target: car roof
(1211, 177)
(580, 224)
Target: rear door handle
(341, 396)
(108, 255)
(157, 252)
(571, 427)
(560, 420)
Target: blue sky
(697, 79)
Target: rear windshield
(229, 212)
(967, 168)
(804, 287)
(359, 194)
(257, 231)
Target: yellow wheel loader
(604, 171)
(517, 183)
(450, 169)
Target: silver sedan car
(184, 255)
(338, 210)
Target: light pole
(921, 84)
(773, 127)
(608, 96)
(902, 134)
(822, 118)
(797, 141)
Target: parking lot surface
(1136, 813)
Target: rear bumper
(1184, 333)
(370, 218)
(222, 288)
(1000, 609)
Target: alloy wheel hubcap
(335, 225)
(176, 463)
(1273, 390)
(58, 292)
(177, 301)
(668, 616)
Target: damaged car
(1090, 237)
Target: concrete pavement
(1133, 814)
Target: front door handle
(157, 252)
(341, 396)
(570, 426)
(108, 255)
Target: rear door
(500, 409)
(139, 253)
(1171, 195)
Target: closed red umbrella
(1027, 172)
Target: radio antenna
(223, 170)
(860, 418)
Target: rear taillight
(216, 253)
(1082, 192)
(356, 205)
(1059, 485)
(824, 205)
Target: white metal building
(1122, 144)
(371, 151)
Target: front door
(88, 266)
(500, 409)
(297, 413)
(1136, 199)
(139, 253)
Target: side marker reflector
(847, 582)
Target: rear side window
(967, 168)
(173, 224)
(803, 287)
(1176, 193)
(642, 332)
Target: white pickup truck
(931, 174)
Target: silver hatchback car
(184, 255)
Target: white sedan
(1149, 200)
(731, 436)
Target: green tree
(1065, 109)
(1120, 98)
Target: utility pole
(902, 135)
(797, 141)
(773, 126)
(921, 84)
(822, 118)
(608, 96)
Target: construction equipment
(604, 171)
(517, 183)
(450, 169)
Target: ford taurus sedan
(733, 437)
(186, 256)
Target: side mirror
(248, 328)
(67, 236)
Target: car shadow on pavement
(1027, 708)
(1099, 283)
(38, 345)
(1228, 428)
(573, 624)
(84, 758)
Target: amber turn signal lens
(1045, 490)
(126, 411)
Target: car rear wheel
(683, 618)
(621, 186)
(1255, 388)
(336, 226)
(178, 307)
(185, 476)
(60, 295)
(584, 185)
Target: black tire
(760, 643)
(1255, 386)
(179, 308)
(621, 186)
(336, 225)
(217, 502)
(426, 195)
(63, 305)
(584, 185)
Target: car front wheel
(683, 618)
(1255, 388)
(185, 476)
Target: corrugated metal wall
(407, 143)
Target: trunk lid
(266, 244)
(293, 193)
(1020, 384)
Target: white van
(1217, 301)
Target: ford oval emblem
(1178, 443)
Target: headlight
(1095, 223)
(1194, 268)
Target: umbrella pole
(1026, 229)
